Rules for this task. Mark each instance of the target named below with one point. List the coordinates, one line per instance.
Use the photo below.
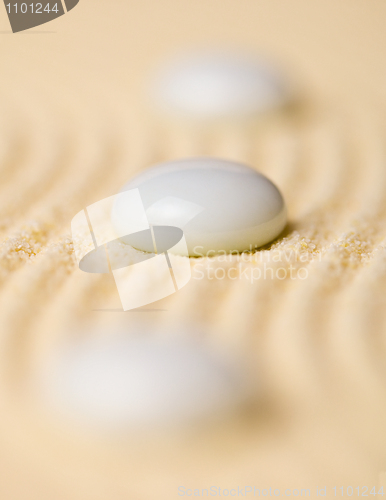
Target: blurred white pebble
(121, 380)
(216, 85)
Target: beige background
(75, 125)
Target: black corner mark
(24, 15)
(70, 4)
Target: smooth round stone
(211, 86)
(141, 381)
(221, 206)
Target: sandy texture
(73, 130)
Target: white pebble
(121, 380)
(211, 86)
(221, 206)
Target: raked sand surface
(74, 128)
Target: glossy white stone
(217, 85)
(142, 381)
(221, 206)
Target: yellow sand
(73, 129)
